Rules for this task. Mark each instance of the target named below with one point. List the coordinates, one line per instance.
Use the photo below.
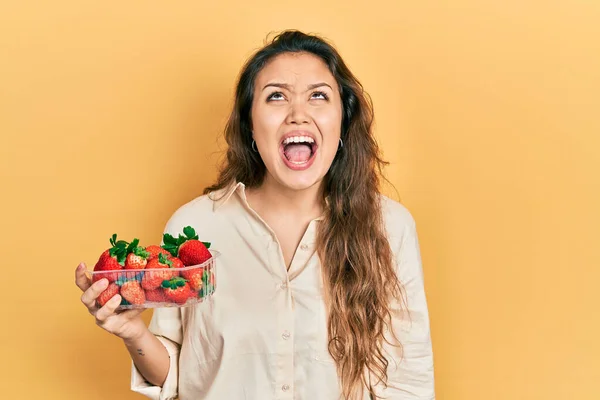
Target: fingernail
(80, 267)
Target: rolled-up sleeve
(166, 326)
(410, 369)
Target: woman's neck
(273, 198)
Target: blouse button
(285, 335)
(285, 387)
(304, 247)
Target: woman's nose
(298, 114)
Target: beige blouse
(263, 334)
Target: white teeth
(298, 139)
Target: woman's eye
(275, 96)
(320, 96)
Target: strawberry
(177, 290)
(137, 257)
(193, 252)
(128, 275)
(134, 261)
(105, 254)
(177, 263)
(156, 295)
(188, 248)
(193, 294)
(133, 292)
(112, 259)
(157, 271)
(107, 294)
(155, 250)
(194, 277)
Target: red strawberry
(134, 261)
(155, 250)
(193, 295)
(104, 255)
(112, 259)
(107, 294)
(193, 252)
(194, 277)
(177, 263)
(137, 257)
(156, 295)
(157, 271)
(188, 248)
(133, 292)
(177, 290)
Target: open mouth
(298, 151)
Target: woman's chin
(298, 180)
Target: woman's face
(296, 119)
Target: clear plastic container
(160, 287)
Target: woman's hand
(127, 325)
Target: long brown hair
(358, 265)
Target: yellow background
(110, 115)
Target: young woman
(320, 291)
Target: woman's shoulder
(197, 212)
(397, 218)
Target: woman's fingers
(89, 296)
(81, 280)
(108, 309)
(130, 314)
(106, 316)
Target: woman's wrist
(137, 335)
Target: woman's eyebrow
(288, 87)
(316, 85)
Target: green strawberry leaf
(162, 258)
(113, 239)
(171, 248)
(189, 232)
(169, 239)
(206, 244)
(181, 240)
(121, 257)
(173, 283)
(140, 251)
(133, 245)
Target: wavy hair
(357, 262)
